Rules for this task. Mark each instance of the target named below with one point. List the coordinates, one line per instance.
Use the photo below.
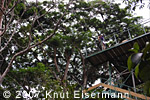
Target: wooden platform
(119, 53)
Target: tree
(22, 17)
(133, 4)
(54, 37)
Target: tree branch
(84, 69)
(12, 16)
(66, 70)
(32, 46)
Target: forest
(44, 45)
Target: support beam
(109, 64)
(133, 80)
(118, 89)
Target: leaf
(133, 50)
(146, 49)
(136, 47)
(56, 42)
(137, 70)
(144, 74)
(134, 8)
(20, 8)
(129, 63)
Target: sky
(144, 12)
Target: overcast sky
(144, 12)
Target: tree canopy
(43, 44)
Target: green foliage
(61, 6)
(55, 42)
(29, 12)
(146, 50)
(24, 11)
(147, 88)
(135, 48)
(76, 32)
(19, 9)
(133, 4)
(25, 28)
(137, 70)
(143, 67)
(129, 63)
(68, 52)
(38, 69)
(144, 71)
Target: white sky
(144, 12)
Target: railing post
(110, 80)
(129, 34)
(115, 39)
(133, 80)
(109, 72)
(143, 29)
(86, 50)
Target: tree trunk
(67, 67)
(1, 17)
(84, 69)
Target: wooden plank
(103, 56)
(99, 59)
(89, 59)
(93, 60)
(109, 54)
(141, 42)
(148, 38)
(118, 89)
(122, 55)
(118, 51)
(123, 51)
(126, 46)
(112, 53)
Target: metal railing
(115, 36)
